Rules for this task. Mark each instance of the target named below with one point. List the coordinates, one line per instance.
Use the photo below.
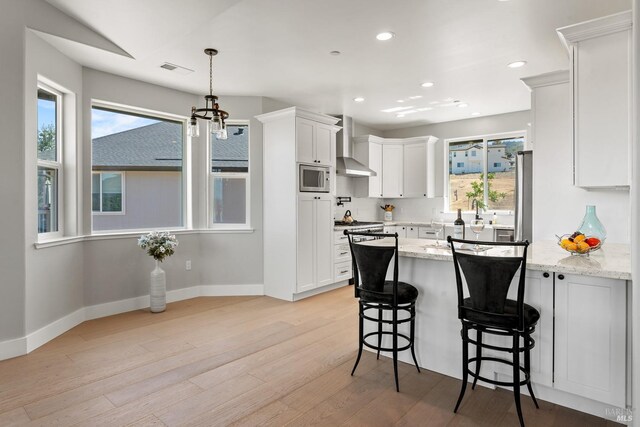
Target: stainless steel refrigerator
(524, 196)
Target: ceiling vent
(176, 68)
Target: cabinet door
(375, 164)
(411, 232)
(601, 81)
(401, 230)
(324, 241)
(392, 170)
(415, 170)
(324, 153)
(304, 141)
(390, 229)
(590, 343)
(305, 252)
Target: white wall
(53, 282)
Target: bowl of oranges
(579, 244)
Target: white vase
(158, 290)
(388, 216)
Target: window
(489, 174)
(229, 178)
(145, 152)
(49, 143)
(107, 189)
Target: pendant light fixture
(211, 110)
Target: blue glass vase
(591, 225)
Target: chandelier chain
(210, 74)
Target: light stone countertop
(447, 224)
(611, 261)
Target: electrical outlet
(187, 265)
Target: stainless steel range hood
(345, 163)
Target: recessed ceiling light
(386, 35)
(462, 105)
(517, 64)
(427, 84)
(415, 97)
(395, 109)
(335, 52)
(475, 113)
(358, 99)
(400, 116)
(400, 100)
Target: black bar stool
(370, 264)
(487, 310)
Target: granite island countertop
(612, 261)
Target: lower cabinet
(315, 245)
(590, 337)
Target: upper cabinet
(600, 61)
(314, 142)
(405, 168)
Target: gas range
(362, 227)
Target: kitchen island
(580, 357)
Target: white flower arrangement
(158, 244)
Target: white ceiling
(280, 49)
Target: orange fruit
(579, 238)
(583, 247)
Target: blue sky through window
(46, 112)
(105, 122)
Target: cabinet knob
(560, 276)
(424, 195)
(380, 195)
(401, 195)
(545, 275)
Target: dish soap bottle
(494, 220)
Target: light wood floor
(240, 360)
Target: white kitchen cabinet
(392, 170)
(600, 60)
(590, 337)
(407, 167)
(400, 229)
(411, 231)
(415, 170)
(370, 154)
(314, 142)
(298, 227)
(315, 243)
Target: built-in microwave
(315, 179)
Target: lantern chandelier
(211, 110)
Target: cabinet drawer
(339, 238)
(343, 271)
(428, 233)
(342, 253)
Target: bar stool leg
(527, 367)
(478, 356)
(379, 332)
(360, 338)
(395, 347)
(465, 364)
(412, 335)
(516, 375)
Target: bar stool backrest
(370, 264)
(488, 279)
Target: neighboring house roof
(153, 147)
(478, 147)
(159, 147)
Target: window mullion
(485, 151)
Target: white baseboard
(23, 345)
(13, 348)
(54, 329)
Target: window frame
(57, 165)
(485, 165)
(123, 192)
(212, 175)
(186, 188)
